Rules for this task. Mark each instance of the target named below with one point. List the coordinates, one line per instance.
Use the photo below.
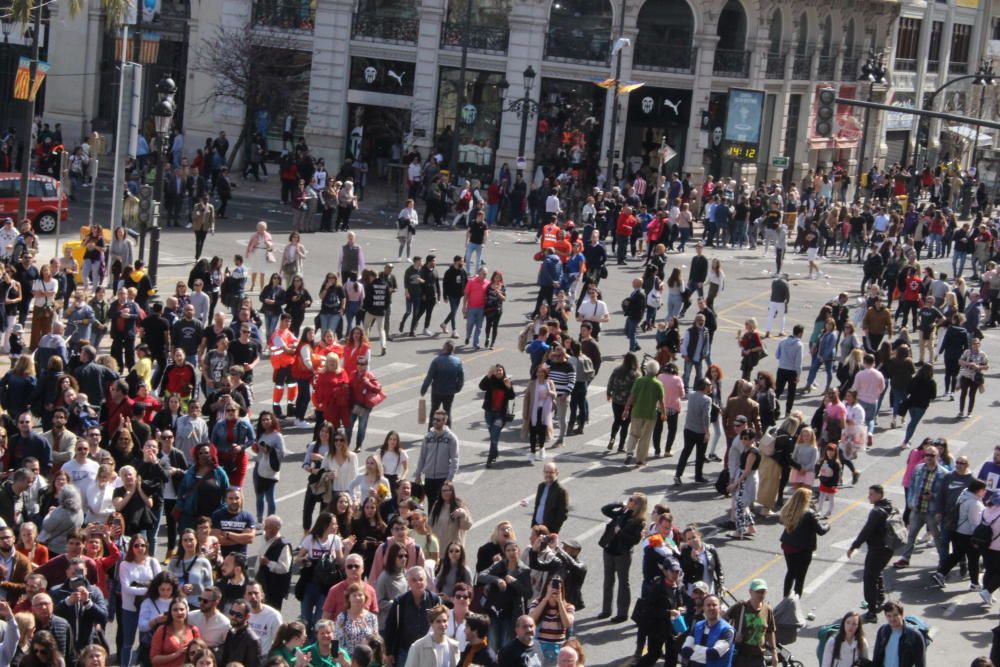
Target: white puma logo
(397, 77)
(673, 105)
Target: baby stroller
(787, 632)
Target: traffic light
(825, 112)
(144, 218)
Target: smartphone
(546, 540)
(335, 649)
(556, 584)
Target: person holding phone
(326, 652)
(81, 603)
(554, 618)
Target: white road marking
(528, 499)
(831, 570)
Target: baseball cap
(758, 585)
(700, 586)
(740, 420)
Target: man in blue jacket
(445, 378)
(896, 639)
(710, 643)
(549, 276)
(921, 498)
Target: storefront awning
(969, 134)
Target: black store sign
(394, 77)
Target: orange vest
(550, 236)
(279, 357)
(563, 249)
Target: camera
(556, 583)
(546, 540)
(77, 582)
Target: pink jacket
(673, 390)
(869, 384)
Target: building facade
(382, 76)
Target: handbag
(422, 411)
(272, 458)
(271, 259)
(608, 536)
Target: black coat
(628, 534)
(911, 647)
(556, 506)
(694, 569)
(804, 535)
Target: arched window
(774, 32)
(387, 20)
(849, 37)
(492, 13)
(802, 35)
(579, 30)
(666, 34)
(826, 37)
(732, 30)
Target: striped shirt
(563, 376)
(551, 628)
(639, 185)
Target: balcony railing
(680, 59)
(906, 65)
(801, 66)
(958, 68)
(933, 65)
(732, 63)
(484, 39)
(577, 46)
(776, 65)
(850, 68)
(284, 14)
(394, 29)
(827, 66)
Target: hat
(572, 544)
(758, 585)
(700, 586)
(670, 564)
(740, 420)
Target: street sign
(779, 162)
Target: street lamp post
(29, 113)
(6, 25)
(984, 77)
(524, 107)
(163, 117)
(873, 71)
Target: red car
(46, 200)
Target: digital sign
(740, 151)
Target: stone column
(780, 123)
(326, 125)
(425, 78)
(697, 140)
(934, 126)
(74, 48)
(525, 47)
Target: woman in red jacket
(366, 393)
(332, 396)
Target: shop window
(579, 30)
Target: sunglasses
(353, 566)
(237, 615)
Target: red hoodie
(333, 391)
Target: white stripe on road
(831, 570)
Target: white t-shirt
(393, 462)
(592, 311)
(82, 475)
(265, 623)
(442, 652)
(317, 548)
(49, 286)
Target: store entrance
(655, 115)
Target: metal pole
(95, 165)
(975, 139)
(460, 102)
(614, 97)
(29, 114)
(863, 147)
(116, 172)
(154, 240)
(525, 106)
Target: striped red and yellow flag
(22, 79)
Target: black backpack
(982, 535)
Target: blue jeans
(453, 303)
(329, 321)
(934, 244)
(312, 607)
(814, 370)
(631, 327)
(697, 366)
(473, 325)
(958, 263)
(871, 412)
(494, 422)
(151, 531)
(916, 414)
(896, 398)
(477, 250)
(362, 423)
(684, 235)
(129, 625)
(351, 312)
(491, 214)
(264, 491)
(271, 324)
(675, 302)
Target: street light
(874, 72)
(984, 77)
(7, 26)
(163, 117)
(524, 107)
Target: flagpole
(614, 98)
(29, 115)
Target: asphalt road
(960, 624)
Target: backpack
(230, 290)
(982, 535)
(918, 624)
(825, 633)
(326, 573)
(895, 531)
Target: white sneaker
(541, 455)
(988, 599)
(427, 332)
(299, 423)
(444, 328)
(187, 226)
(454, 335)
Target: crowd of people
(110, 452)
